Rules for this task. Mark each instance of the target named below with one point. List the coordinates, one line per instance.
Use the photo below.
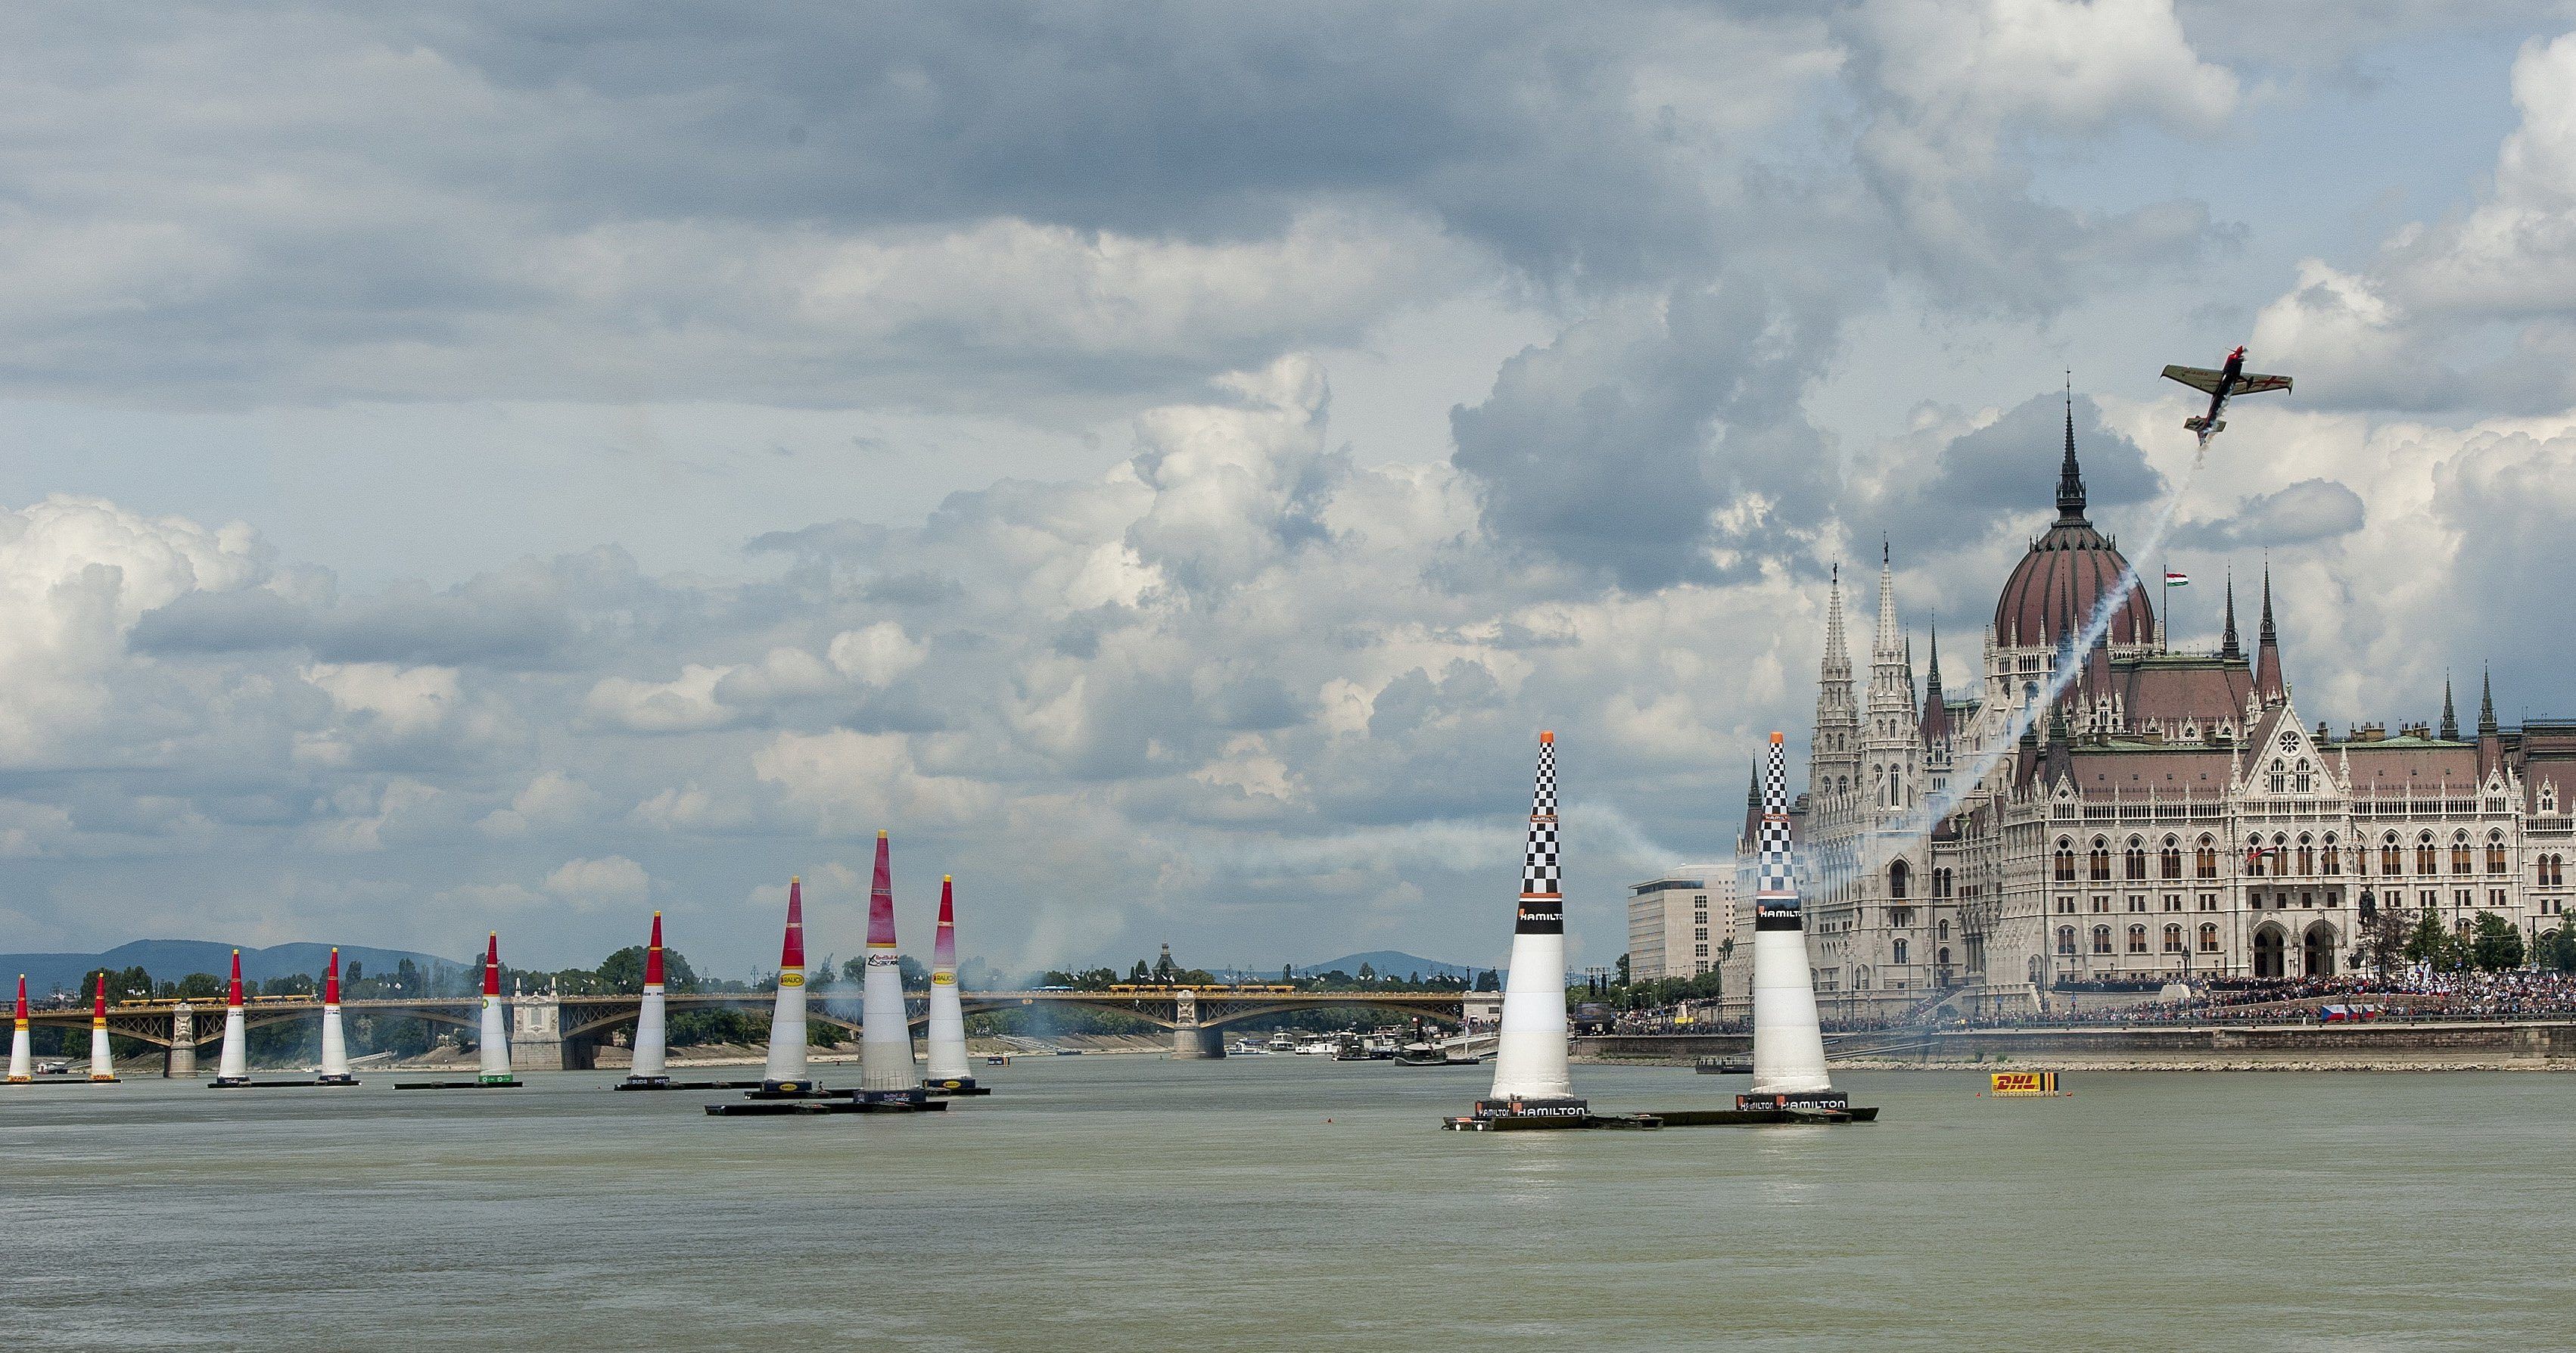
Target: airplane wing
(2198, 378)
(2251, 384)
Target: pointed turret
(1889, 747)
(885, 1043)
(102, 1061)
(2450, 721)
(335, 1036)
(1833, 763)
(2267, 654)
(494, 1067)
(1788, 1044)
(948, 1069)
(1530, 1076)
(1936, 707)
(785, 1073)
(2490, 734)
(2070, 476)
(233, 1067)
(652, 1054)
(22, 1047)
(2227, 645)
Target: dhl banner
(2023, 1082)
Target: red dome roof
(2055, 587)
(2053, 590)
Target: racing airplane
(2221, 385)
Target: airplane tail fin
(2199, 424)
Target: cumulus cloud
(591, 885)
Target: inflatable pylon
(233, 1067)
(948, 1069)
(335, 1038)
(102, 1062)
(885, 1042)
(495, 1063)
(785, 1073)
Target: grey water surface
(1294, 1203)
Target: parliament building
(2170, 818)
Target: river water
(1294, 1203)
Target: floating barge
(1812, 1110)
(456, 1085)
(770, 1103)
(684, 1085)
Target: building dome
(2055, 587)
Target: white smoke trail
(1935, 807)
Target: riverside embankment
(2461, 1045)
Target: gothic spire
(2267, 649)
(1837, 656)
(2070, 477)
(1883, 645)
(2486, 704)
(1936, 706)
(2227, 646)
(2450, 721)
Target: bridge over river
(555, 1032)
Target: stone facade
(2170, 817)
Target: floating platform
(1724, 1066)
(664, 1084)
(267, 1085)
(457, 1085)
(1562, 1115)
(766, 1108)
(955, 1087)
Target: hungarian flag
(2173, 579)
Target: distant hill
(170, 960)
(1389, 963)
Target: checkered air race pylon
(1788, 1046)
(1530, 1076)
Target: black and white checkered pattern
(1775, 880)
(1539, 877)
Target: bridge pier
(1192, 1041)
(182, 1062)
(536, 1032)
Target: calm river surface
(1126, 1202)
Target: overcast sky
(521, 466)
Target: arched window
(2426, 860)
(1897, 877)
(2133, 861)
(2392, 857)
(2099, 863)
(2307, 855)
(2173, 939)
(1900, 951)
(2209, 938)
(2066, 939)
(2204, 859)
(2101, 939)
(2137, 939)
(2169, 860)
(1945, 930)
(1943, 958)
(2495, 852)
(2254, 857)
(2333, 855)
(2280, 781)
(2065, 860)
(2460, 861)
(1941, 883)
(1860, 979)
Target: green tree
(623, 971)
(1367, 972)
(199, 986)
(1623, 970)
(2428, 941)
(2494, 943)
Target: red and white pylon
(233, 1068)
(22, 1048)
(651, 1054)
(495, 1065)
(102, 1063)
(335, 1037)
(885, 1041)
(786, 1070)
(948, 1068)
(1529, 1055)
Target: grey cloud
(2309, 510)
(2004, 472)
